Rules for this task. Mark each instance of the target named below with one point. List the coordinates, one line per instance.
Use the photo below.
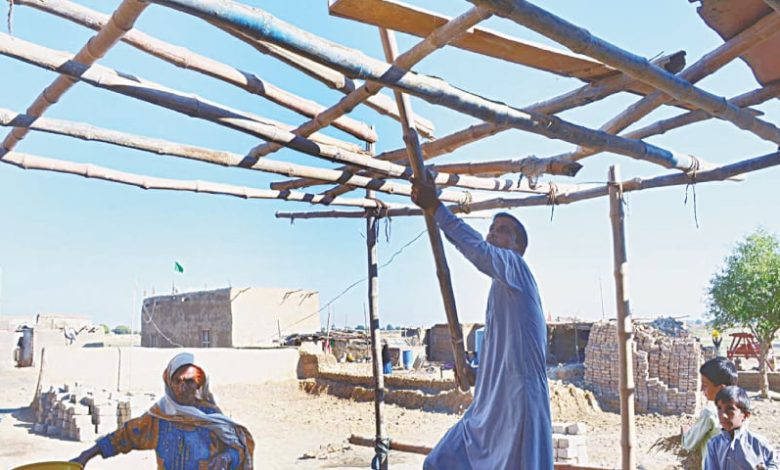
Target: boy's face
(730, 415)
(709, 389)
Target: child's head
(716, 374)
(733, 407)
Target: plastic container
(408, 358)
(51, 466)
(479, 337)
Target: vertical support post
(381, 442)
(625, 330)
(414, 151)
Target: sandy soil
(296, 430)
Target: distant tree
(360, 328)
(389, 327)
(106, 329)
(746, 293)
(122, 330)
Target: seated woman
(186, 428)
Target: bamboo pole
(331, 78)
(184, 58)
(412, 142)
(381, 442)
(708, 64)
(582, 41)
(579, 97)
(259, 24)
(436, 40)
(121, 21)
(744, 100)
(103, 77)
(529, 166)
(625, 330)
(150, 92)
(222, 158)
(587, 192)
(32, 162)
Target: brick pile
(666, 369)
(83, 414)
(569, 443)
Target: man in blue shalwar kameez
(508, 424)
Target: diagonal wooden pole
(436, 40)
(625, 330)
(582, 41)
(259, 24)
(121, 21)
(184, 58)
(412, 141)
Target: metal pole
(625, 330)
(412, 141)
(381, 442)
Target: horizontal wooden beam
(184, 58)
(405, 18)
(721, 173)
(32, 162)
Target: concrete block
(576, 429)
(568, 442)
(559, 428)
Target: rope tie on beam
(9, 19)
(464, 205)
(382, 450)
(552, 197)
(695, 165)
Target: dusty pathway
(297, 430)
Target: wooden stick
(436, 40)
(447, 144)
(582, 41)
(121, 21)
(532, 166)
(222, 158)
(394, 445)
(434, 235)
(193, 106)
(144, 90)
(332, 78)
(260, 24)
(187, 59)
(372, 230)
(625, 331)
(775, 4)
(708, 64)
(31, 162)
(593, 191)
(744, 100)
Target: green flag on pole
(178, 267)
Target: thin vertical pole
(463, 372)
(625, 330)
(381, 443)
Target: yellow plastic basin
(51, 466)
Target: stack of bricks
(132, 406)
(666, 369)
(80, 414)
(569, 443)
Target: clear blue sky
(72, 245)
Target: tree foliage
(746, 292)
(122, 330)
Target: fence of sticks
(750, 29)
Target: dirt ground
(294, 429)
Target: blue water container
(479, 337)
(408, 358)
